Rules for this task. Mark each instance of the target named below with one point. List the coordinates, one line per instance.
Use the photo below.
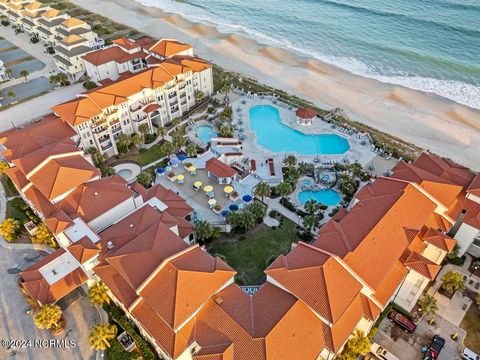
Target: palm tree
(312, 207)
(178, 140)
(226, 131)
(62, 78)
(247, 220)
(8, 72)
(453, 281)
(303, 168)
(191, 149)
(11, 94)
(175, 123)
(290, 161)
(53, 79)
(167, 148)
(100, 336)
(284, 188)
(258, 210)
(203, 231)
(263, 189)
(144, 179)
(124, 141)
(24, 73)
(48, 317)
(198, 95)
(8, 228)
(137, 139)
(98, 294)
(162, 131)
(309, 222)
(428, 304)
(358, 344)
(144, 129)
(233, 218)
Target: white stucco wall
(464, 236)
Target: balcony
(140, 118)
(106, 146)
(100, 129)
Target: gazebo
(305, 116)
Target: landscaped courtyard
(250, 254)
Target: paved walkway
(274, 204)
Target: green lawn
(249, 256)
(471, 324)
(145, 157)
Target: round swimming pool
(125, 173)
(205, 133)
(307, 183)
(326, 197)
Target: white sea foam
(458, 91)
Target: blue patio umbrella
(247, 198)
(233, 207)
(160, 170)
(181, 157)
(173, 162)
(224, 213)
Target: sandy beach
(429, 121)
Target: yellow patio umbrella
(228, 189)
(192, 168)
(208, 188)
(212, 202)
(197, 184)
(180, 177)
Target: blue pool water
(327, 197)
(307, 183)
(205, 133)
(278, 137)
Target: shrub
(273, 213)
(211, 110)
(5, 22)
(116, 315)
(89, 85)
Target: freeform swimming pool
(278, 137)
(205, 133)
(327, 197)
(125, 173)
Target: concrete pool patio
(357, 152)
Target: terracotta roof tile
(219, 169)
(474, 187)
(58, 222)
(422, 265)
(317, 279)
(440, 240)
(83, 250)
(306, 113)
(168, 48)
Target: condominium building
(386, 248)
(154, 97)
(70, 38)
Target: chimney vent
(131, 226)
(110, 245)
(218, 300)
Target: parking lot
(408, 346)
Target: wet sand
(426, 120)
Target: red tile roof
(422, 265)
(440, 240)
(219, 169)
(83, 250)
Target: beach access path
(428, 121)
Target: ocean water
(429, 45)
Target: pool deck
(357, 152)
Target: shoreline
(426, 120)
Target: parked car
(381, 353)
(468, 354)
(435, 347)
(401, 320)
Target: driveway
(15, 324)
(408, 346)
